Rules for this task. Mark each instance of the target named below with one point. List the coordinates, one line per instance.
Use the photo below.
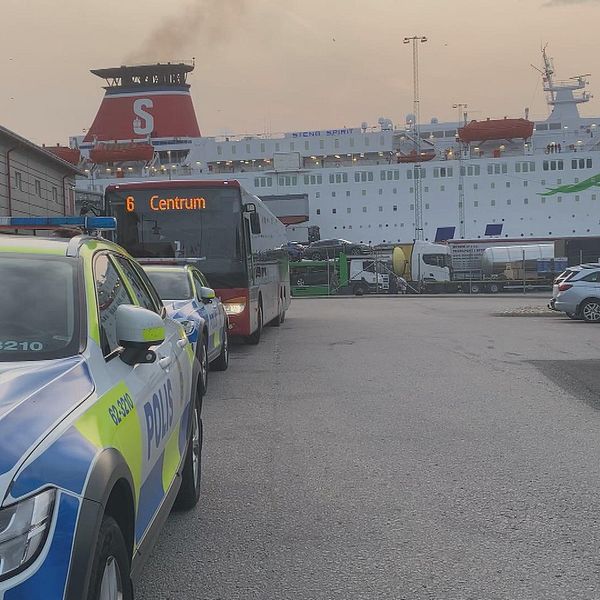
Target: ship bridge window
(553, 165)
(321, 144)
(247, 148)
(338, 178)
(426, 134)
(219, 150)
(306, 145)
(313, 179)
(233, 149)
(390, 175)
(581, 163)
(497, 169)
(263, 181)
(438, 134)
(366, 140)
(451, 133)
(363, 176)
(554, 126)
(470, 170)
(541, 127)
(262, 147)
(414, 173)
(442, 172)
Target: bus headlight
(23, 530)
(235, 306)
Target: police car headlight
(189, 327)
(23, 530)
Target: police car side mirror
(207, 295)
(138, 329)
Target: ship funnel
(145, 102)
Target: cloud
(551, 3)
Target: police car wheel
(222, 361)
(189, 492)
(110, 571)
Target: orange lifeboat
(110, 153)
(71, 155)
(413, 157)
(496, 129)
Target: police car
(100, 416)
(189, 300)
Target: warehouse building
(33, 181)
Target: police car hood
(182, 309)
(34, 398)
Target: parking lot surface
(401, 448)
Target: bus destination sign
(157, 204)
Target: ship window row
(313, 179)
(339, 178)
(451, 133)
(553, 165)
(497, 168)
(416, 173)
(390, 175)
(525, 167)
(363, 176)
(581, 163)
(442, 172)
(263, 181)
(548, 126)
(471, 170)
(288, 180)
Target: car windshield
(39, 308)
(171, 285)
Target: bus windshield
(201, 223)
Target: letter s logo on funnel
(143, 124)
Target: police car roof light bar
(85, 223)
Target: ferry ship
(506, 177)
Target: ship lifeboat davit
(496, 129)
(111, 153)
(413, 157)
(67, 154)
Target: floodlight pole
(417, 172)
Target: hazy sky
(284, 65)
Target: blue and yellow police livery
(100, 424)
(190, 301)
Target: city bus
(231, 236)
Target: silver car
(577, 293)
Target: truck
(343, 275)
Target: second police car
(189, 300)
(100, 416)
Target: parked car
(190, 300)
(332, 247)
(295, 250)
(564, 276)
(578, 293)
(100, 417)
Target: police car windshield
(171, 285)
(39, 308)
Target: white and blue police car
(190, 300)
(100, 414)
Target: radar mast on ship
(563, 96)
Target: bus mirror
(255, 222)
(250, 207)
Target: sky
(293, 65)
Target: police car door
(213, 316)
(155, 390)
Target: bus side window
(255, 223)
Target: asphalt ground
(397, 448)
